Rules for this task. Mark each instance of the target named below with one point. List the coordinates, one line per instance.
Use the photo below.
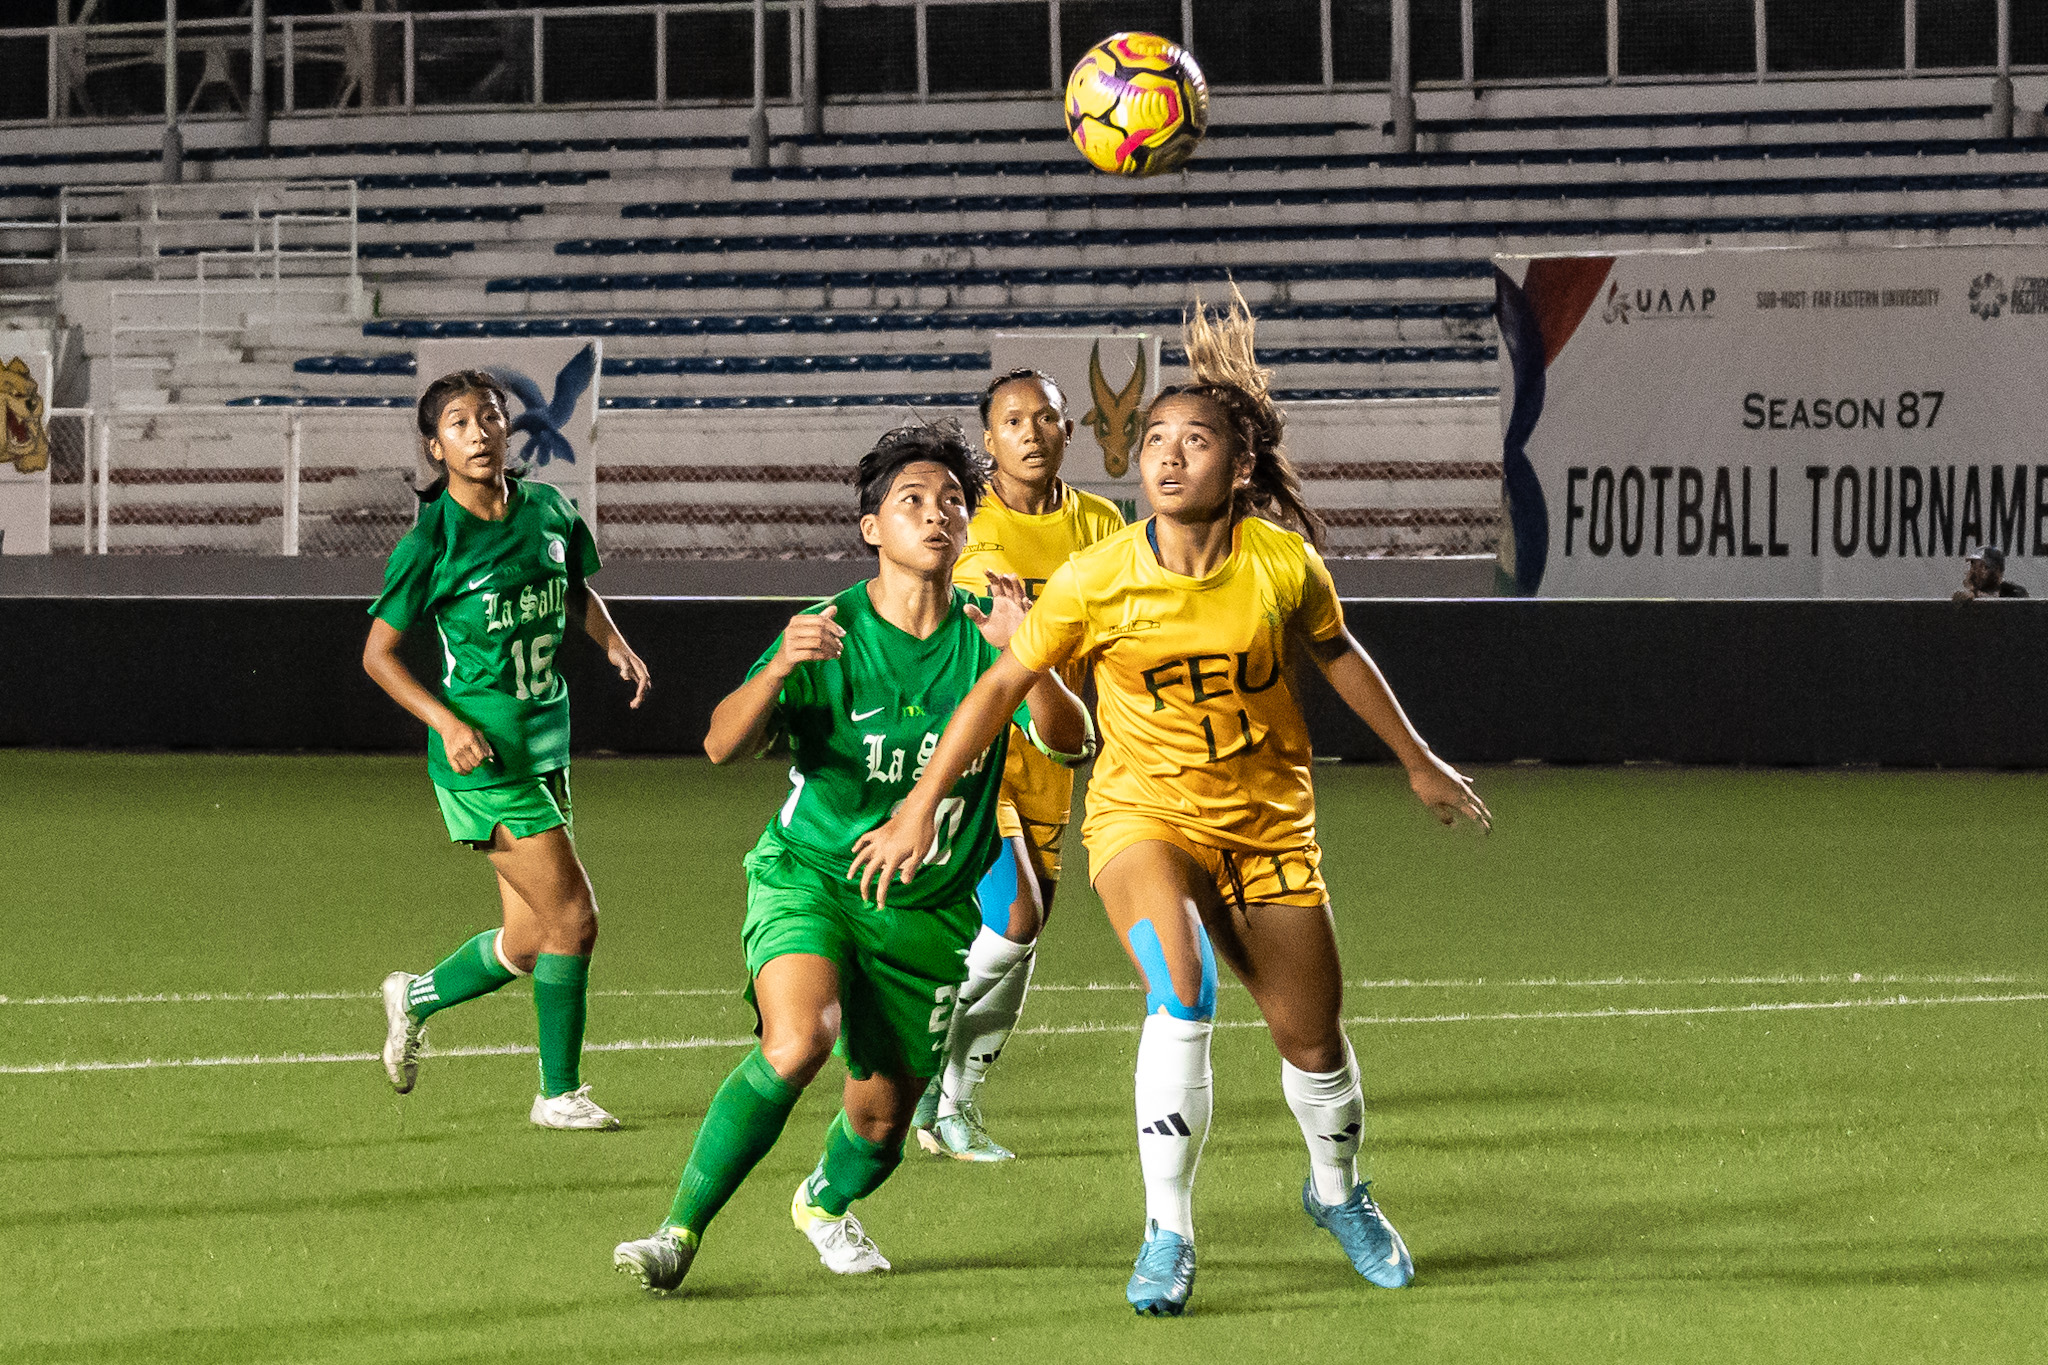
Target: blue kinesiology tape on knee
(1159, 992)
(998, 890)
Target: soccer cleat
(962, 1137)
(1164, 1275)
(924, 1116)
(843, 1247)
(403, 1035)
(1376, 1250)
(660, 1261)
(573, 1110)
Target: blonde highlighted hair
(1223, 367)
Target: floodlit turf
(1597, 1116)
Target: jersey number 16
(533, 666)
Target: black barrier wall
(1907, 683)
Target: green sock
(561, 986)
(469, 971)
(852, 1168)
(745, 1118)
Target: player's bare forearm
(891, 851)
(744, 722)
(598, 624)
(974, 727)
(597, 620)
(1357, 679)
(388, 671)
(1446, 791)
(464, 745)
(1057, 714)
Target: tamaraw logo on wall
(1852, 435)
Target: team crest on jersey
(558, 553)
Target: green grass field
(1677, 1065)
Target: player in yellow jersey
(1028, 525)
(1201, 811)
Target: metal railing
(670, 55)
(338, 482)
(243, 230)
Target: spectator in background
(1986, 577)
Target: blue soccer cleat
(1164, 1275)
(1376, 1250)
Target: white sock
(998, 971)
(1175, 1098)
(1330, 1107)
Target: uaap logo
(1657, 303)
(1987, 296)
(557, 552)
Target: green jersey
(498, 592)
(863, 726)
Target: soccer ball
(1137, 104)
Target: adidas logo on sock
(1350, 1132)
(1173, 1125)
(422, 991)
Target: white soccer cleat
(842, 1245)
(403, 1035)
(658, 1262)
(573, 1110)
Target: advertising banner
(1108, 380)
(1806, 422)
(25, 453)
(553, 384)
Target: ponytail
(1224, 368)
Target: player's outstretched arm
(743, 723)
(1446, 791)
(1056, 713)
(466, 747)
(893, 850)
(598, 624)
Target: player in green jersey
(862, 686)
(498, 566)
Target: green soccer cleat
(1376, 1250)
(962, 1137)
(1164, 1275)
(660, 1261)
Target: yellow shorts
(1288, 876)
(1036, 802)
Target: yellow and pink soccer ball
(1137, 104)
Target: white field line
(1395, 983)
(1057, 1030)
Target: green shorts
(524, 806)
(899, 970)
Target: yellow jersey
(1037, 790)
(1032, 547)
(1200, 726)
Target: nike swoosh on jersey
(476, 583)
(858, 716)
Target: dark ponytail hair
(995, 386)
(1226, 371)
(435, 401)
